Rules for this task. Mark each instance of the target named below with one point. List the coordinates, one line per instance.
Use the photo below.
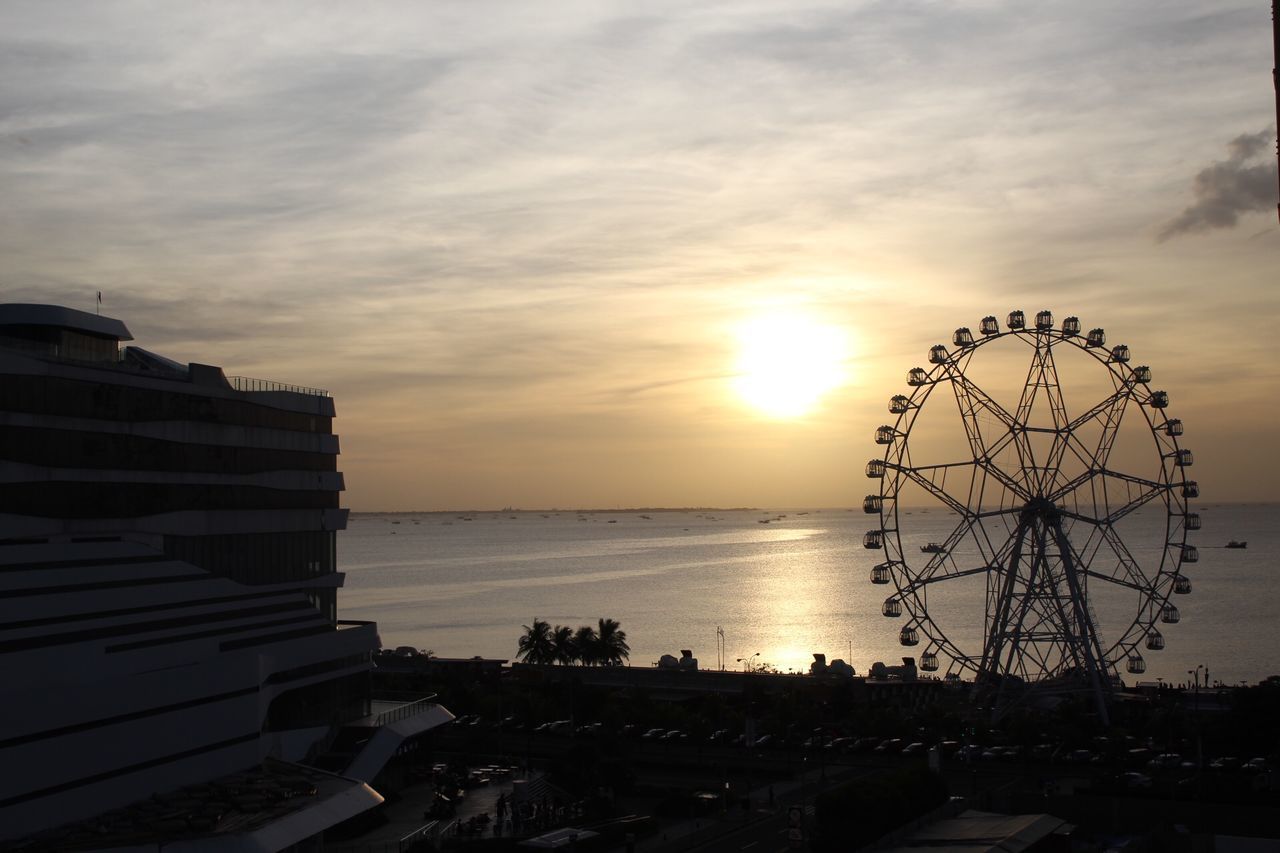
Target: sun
(788, 362)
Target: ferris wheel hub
(1041, 509)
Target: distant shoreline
(597, 510)
(562, 510)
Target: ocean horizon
(783, 584)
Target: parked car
(1134, 779)
(840, 744)
(1080, 756)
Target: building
(168, 586)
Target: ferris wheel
(1033, 508)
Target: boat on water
(933, 548)
(1235, 544)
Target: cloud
(1228, 188)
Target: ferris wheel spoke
(1105, 410)
(932, 478)
(1042, 380)
(1109, 414)
(1117, 581)
(953, 573)
(973, 402)
(969, 526)
(1071, 486)
(1145, 492)
(1138, 491)
(1125, 560)
(1127, 573)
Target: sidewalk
(407, 814)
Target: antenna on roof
(99, 311)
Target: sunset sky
(536, 250)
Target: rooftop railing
(406, 711)
(247, 383)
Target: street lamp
(746, 662)
(1195, 710)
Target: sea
(763, 587)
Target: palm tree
(535, 646)
(587, 645)
(612, 643)
(564, 648)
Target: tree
(587, 644)
(612, 643)
(535, 645)
(563, 645)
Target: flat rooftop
(259, 808)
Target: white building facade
(168, 579)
